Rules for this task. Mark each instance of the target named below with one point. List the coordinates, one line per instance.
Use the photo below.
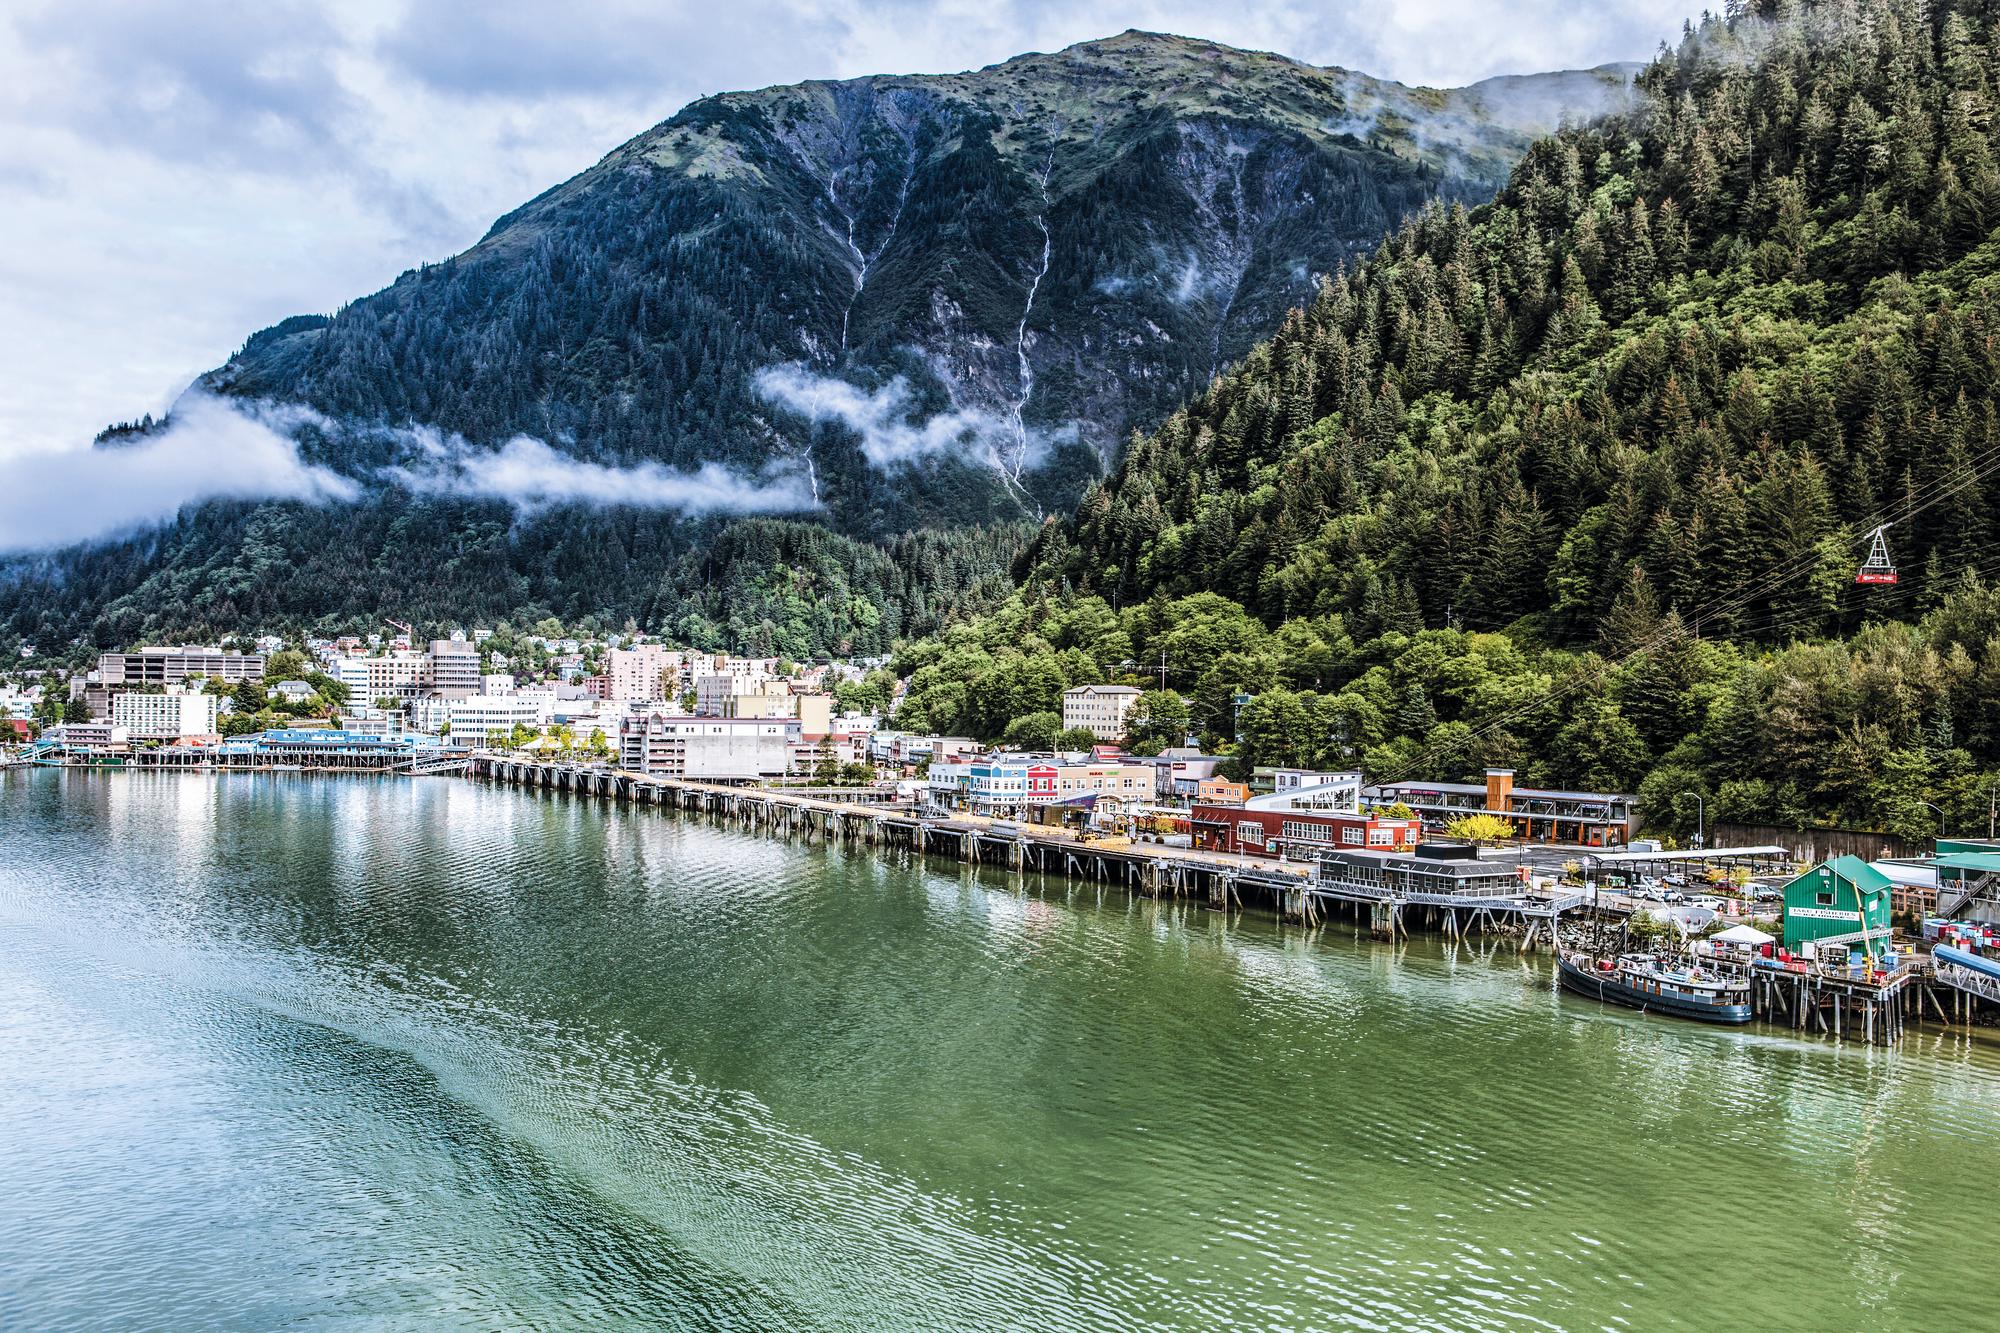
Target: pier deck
(1153, 869)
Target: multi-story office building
(178, 714)
(644, 672)
(452, 668)
(478, 716)
(712, 748)
(371, 678)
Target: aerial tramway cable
(1773, 579)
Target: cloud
(249, 83)
(528, 474)
(177, 176)
(210, 449)
(480, 49)
(890, 434)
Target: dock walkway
(1153, 869)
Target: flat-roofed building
(1449, 870)
(1099, 709)
(1583, 818)
(105, 735)
(476, 717)
(171, 666)
(385, 677)
(451, 668)
(713, 749)
(177, 714)
(644, 672)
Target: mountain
(1056, 249)
(925, 302)
(1580, 481)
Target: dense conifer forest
(1580, 481)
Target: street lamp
(1940, 812)
(1700, 816)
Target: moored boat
(1655, 985)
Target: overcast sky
(173, 178)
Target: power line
(1771, 581)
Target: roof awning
(1710, 854)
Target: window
(1823, 898)
(1351, 833)
(1250, 831)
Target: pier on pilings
(1149, 870)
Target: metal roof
(1479, 789)
(1984, 862)
(1855, 871)
(1710, 854)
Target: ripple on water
(405, 1052)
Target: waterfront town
(1837, 940)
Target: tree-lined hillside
(1638, 415)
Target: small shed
(1842, 901)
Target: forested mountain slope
(927, 303)
(1639, 414)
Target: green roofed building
(1842, 901)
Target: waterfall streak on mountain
(1021, 333)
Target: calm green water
(284, 1051)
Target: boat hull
(1609, 989)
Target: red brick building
(1255, 831)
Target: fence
(1816, 844)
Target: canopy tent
(1749, 936)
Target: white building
(176, 715)
(1100, 709)
(478, 716)
(374, 678)
(86, 735)
(714, 749)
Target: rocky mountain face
(893, 281)
(932, 305)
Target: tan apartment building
(1101, 709)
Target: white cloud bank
(890, 434)
(215, 448)
(528, 474)
(210, 449)
(164, 167)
